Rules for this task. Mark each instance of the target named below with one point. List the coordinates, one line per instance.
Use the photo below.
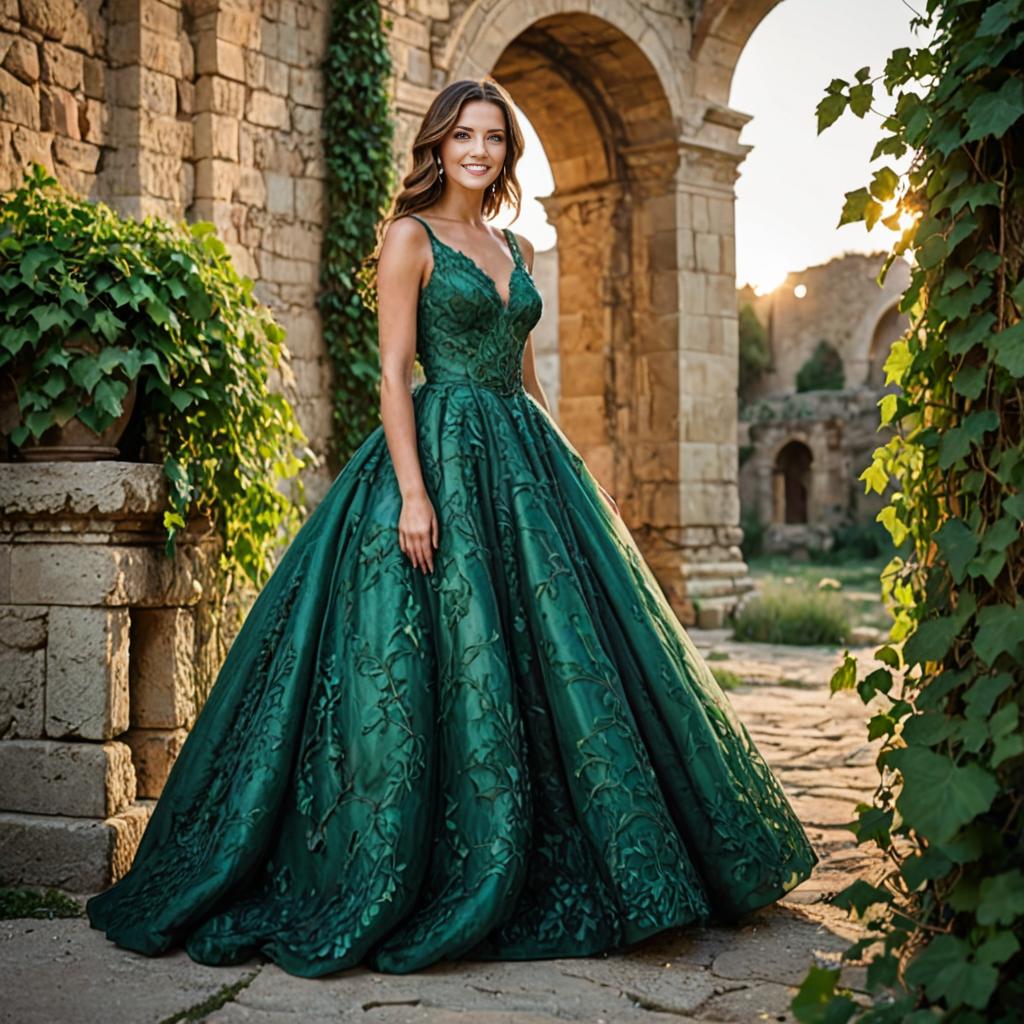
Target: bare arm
(403, 261)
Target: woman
(461, 719)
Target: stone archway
(631, 105)
(602, 92)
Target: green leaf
(109, 325)
(998, 17)
(1000, 631)
(1002, 898)
(108, 396)
(845, 676)
(50, 316)
(927, 729)
(859, 895)
(957, 442)
(181, 399)
(924, 867)
(947, 971)
(993, 113)
(973, 332)
(969, 381)
(931, 640)
(958, 545)
(985, 692)
(884, 184)
(938, 796)
(817, 1001)
(1008, 346)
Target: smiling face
(473, 151)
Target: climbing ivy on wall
(946, 921)
(358, 137)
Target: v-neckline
(473, 263)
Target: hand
(417, 531)
(610, 500)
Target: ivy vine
(945, 923)
(358, 133)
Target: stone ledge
(79, 855)
(75, 780)
(106, 490)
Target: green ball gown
(520, 755)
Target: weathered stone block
(275, 77)
(22, 60)
(309, 200)
(217, 57)
(162, 669)
(215, 179)
(220, 95)
(79, 855)
(62, 66)
(295, 241)
(22, 670)
(286, 271)
(50, 17)
(58, 112)
(267, 110)
(306, 87)
(87, 672)
(97, 574)
(216, 136)
(79, 780)
(251, 188)
(154, 752)
(81, 156)
(161, 52)
(280, 194)
(19, 103)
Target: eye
(462, 134)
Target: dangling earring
(440, 168)
(494, 185)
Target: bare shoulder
(405, 253)
(526, 248)
(405, 233)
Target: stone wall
(55, 90)
(843, 304)
(205, 110)
(840, 431)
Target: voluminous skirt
(520, 755)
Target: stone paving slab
(65, 971)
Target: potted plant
(97, 310)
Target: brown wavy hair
(423, 185)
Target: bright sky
(781, 75)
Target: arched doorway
(608, 120)
(631, 106)
(791, 478)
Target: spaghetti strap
(513, 244)
(430, 230)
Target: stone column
(97, 646)
(149, 169)
(713, 573)
(589, 258)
